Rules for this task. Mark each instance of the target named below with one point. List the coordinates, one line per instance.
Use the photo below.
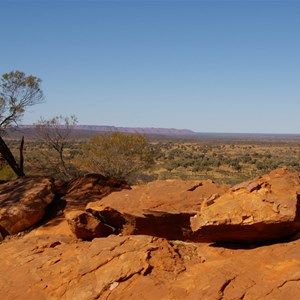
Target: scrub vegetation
(228, 161)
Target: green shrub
(6, 173)
(117, 154)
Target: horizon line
(191, 132)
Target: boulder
(160, 208)
(261, 210)
(144, 267)
(85, 226)
(23, 203)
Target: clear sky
(208, 66)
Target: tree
(17, 92)
(56, 133)
(117, 154)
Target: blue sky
(208, 66)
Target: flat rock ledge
(143, 267)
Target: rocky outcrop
(261, 210)
(23, 203)
(68, 215)
(89, 188)
(54, 265)
(144, 267)
(159, 208)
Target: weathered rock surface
(89, 188)
(55, 226)
(144, 267)
(23, 203)
(58, 266)
(86, 226)
(159, 208)
(264, 209)
(74, 197)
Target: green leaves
(117, 154)
(17, 91)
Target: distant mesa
(104, 128)
(152, 130)
(88, 131)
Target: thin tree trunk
(21, 165)
(62, 161)
(10, 159)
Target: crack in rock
(287, 281)
(225, 286)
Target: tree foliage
(117, 154)
(17, 92)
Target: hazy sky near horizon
(208, 66)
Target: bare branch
(56, 133)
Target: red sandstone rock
(264, 209)
(85, 226)
(55, 226)
(77, 194)
(23, 203)
(89, 188)
(159, 208)
(144, 267)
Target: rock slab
(160, 208)
(144, 267)
(260, 210)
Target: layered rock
(260, 210)
(23, 203)
(159, 208)
(144, 267)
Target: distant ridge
(142, 130)
(88, 131)
(151, 130)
